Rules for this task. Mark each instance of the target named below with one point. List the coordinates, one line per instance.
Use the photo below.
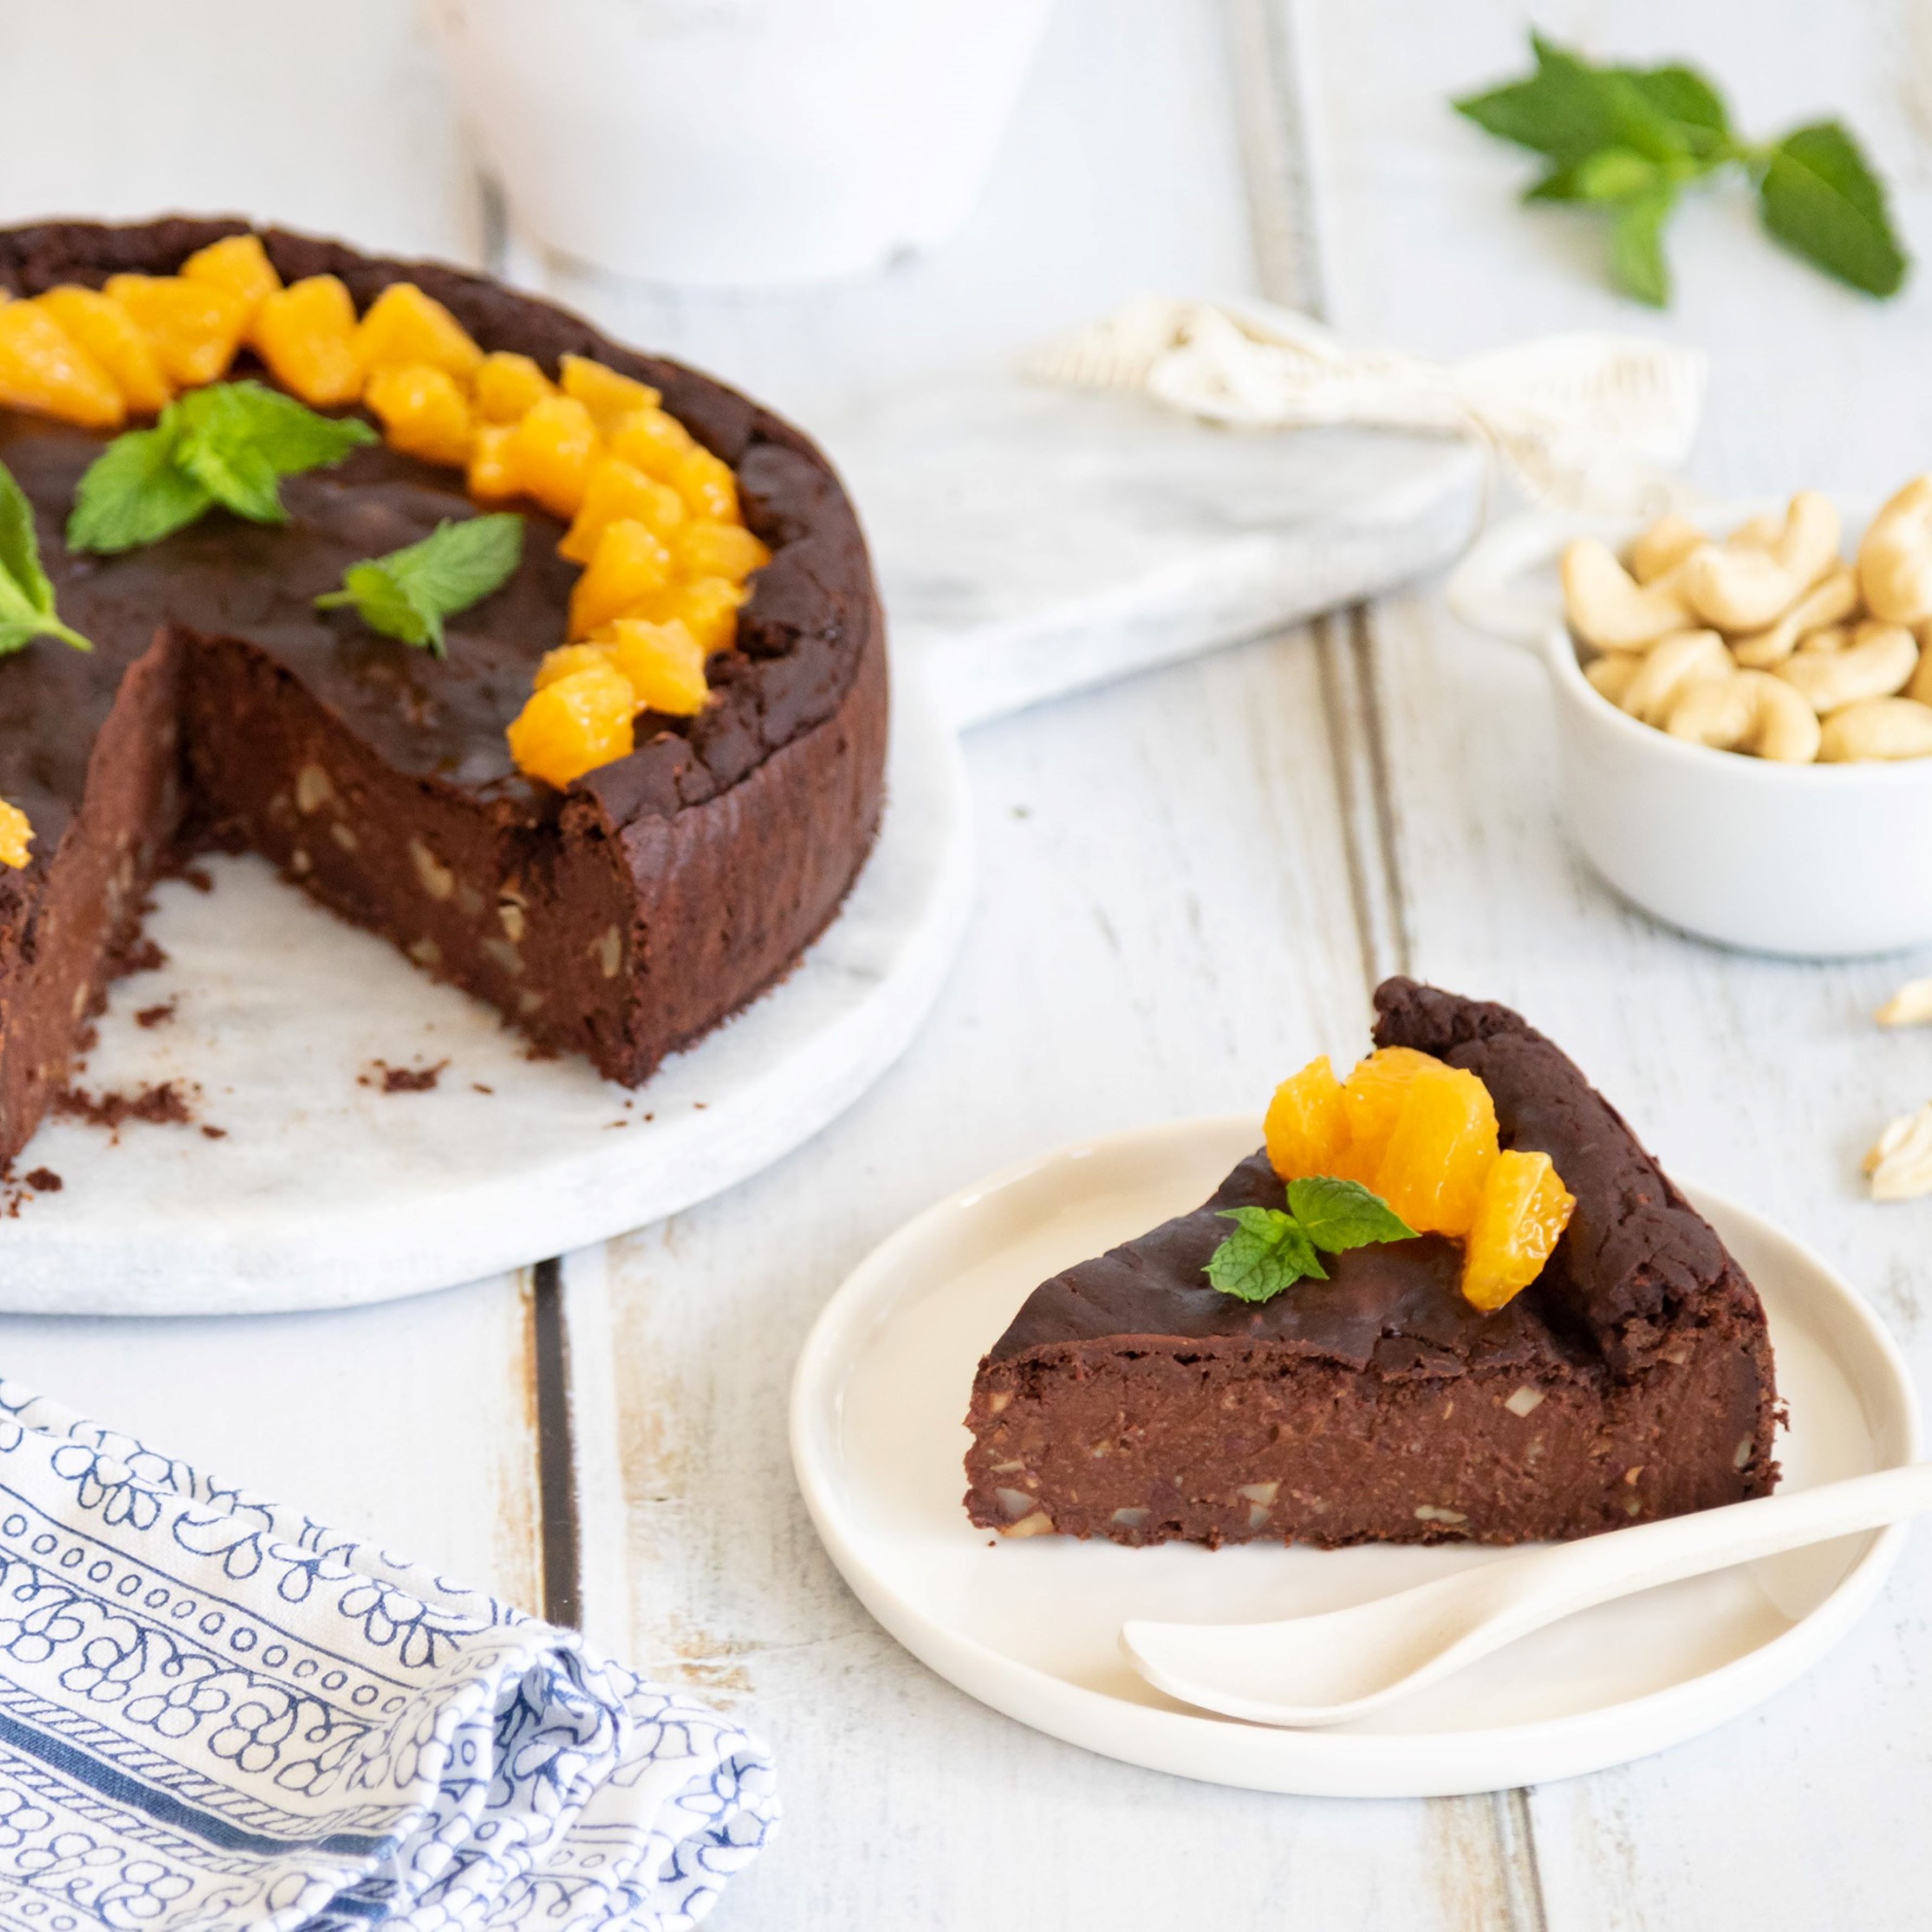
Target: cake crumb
(479, 1087)
(389, 1079)
(215, 1133)
(198, 877)
(154, 1016)
(44, 1180)
(141, 956)
(164, 1105)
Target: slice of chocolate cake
(1632, 1379)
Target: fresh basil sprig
(26, 596)
(1630, 140)
(407, 594)
(230, 443)
(1270, 1251)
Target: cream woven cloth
(1589, 421)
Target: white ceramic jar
(1819, 862)
(739, 143)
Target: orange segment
(555, 445)
(663, 663)
(1371, 1096)
(708, 609)
(704, 548)
(508, 387)
(492, 474)
(306, 334)
(631, 562)
(1307, 1126)
(568, 659)
(1440, 1151)
(43, 369)
(238, 263)
(16, 834)
(616, 490)
(115, 340)
(574, 725)
(404, 326)
(706, 483)
(195, 327)
(604, 393)
(422, 412)
(1519, 1217)
(652, 441)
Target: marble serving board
(317, 1161)
(1031, 541)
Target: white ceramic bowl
(1815, 861)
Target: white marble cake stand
(324, 1191)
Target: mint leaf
(230, 443)
(1269, 1251)
(1689, 101)
(407, 594)
(26, 594)
(133, 494)
(1636, 246)
(1341, 1214)
(1615, 174)
(1818, 196)
(1568, 110)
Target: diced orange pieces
(115, 340)
(403, 326)
(307, 334)
(492, 474)
(616, 491)
(574, 725)
(663, 663)
(631, 562)
(1440, 1151)
(1520, 1216)
(604, 393)
(555, 446)
(238, 263)
(707, 608)
(195, 327)
(704, 548)
(652, 440)
(508, 387)
(16, 833)
(1371, 1096)
(1307, 1126)
(422, 412)
(568, 659)
(706, 483)
(43, 369)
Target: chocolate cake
(1632, 1380)
(620, 918)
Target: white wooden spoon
(1306, 1672)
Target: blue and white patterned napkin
(215, 1713)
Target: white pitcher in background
(739, 143)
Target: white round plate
(325, 1189)
(1030, 1627)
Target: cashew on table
(1766, 641)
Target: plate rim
(1330, 1763)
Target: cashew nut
(1921, 685)
(1607, 608)
(1612, 673)
(1878, 728)
(1670, 666)
(1879, 661)
(1830, 638)
(1750, 711)
(1664, 546)
(1758, 532)
(1895, 558)
(1832, 598)
(1746, 588)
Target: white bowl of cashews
(1745, 720)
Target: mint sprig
(1270, 1251)
(1631, 140)
(230, 443)
(407, 594)
(26, 595)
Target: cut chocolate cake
(621, 916)
(1632, 1379)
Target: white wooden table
(1189, 882)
